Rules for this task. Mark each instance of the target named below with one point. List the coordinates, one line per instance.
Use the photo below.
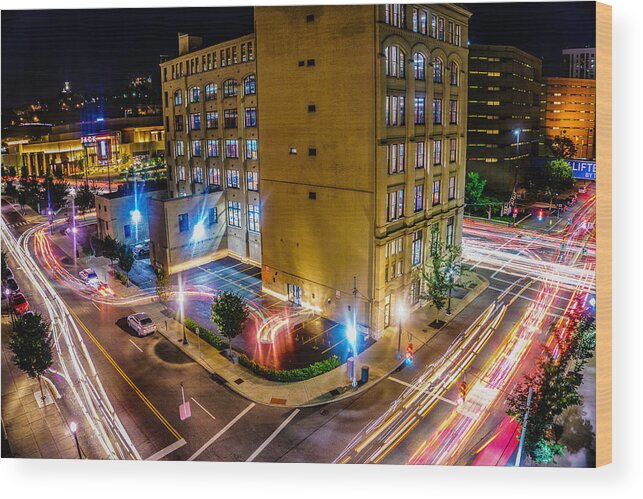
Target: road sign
(184, 410)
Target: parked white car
(141, 324)
(88, 276)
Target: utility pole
(524, 428)
(354, 381)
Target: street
(411, 416)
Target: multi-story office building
(580, 63)
(503, 113)
(96, 144)
(363, 140)
(569, 109)
(211, 208)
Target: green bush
(121, 277)
(286, 375)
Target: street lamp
(181, 299)
(450, 275)
(74, 229)
(351, 335)
(74, 429)
(402, 312)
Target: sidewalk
(33, 430)
(332, 386)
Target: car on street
(103, 289)
(19, 304)
(10, 286)
(141, 324)
(88, 276)
(582, 189)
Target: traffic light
(409, 353)
(540, 215)
(462, 392)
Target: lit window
(212, 120)
(232, 178)
(180, 173)
(196, 148)
(214, 176)
(229, 88)
(197, 175)
(454, 73)
(453, 150)
(253, 181)
(437, 111)
(395, 110)
(436, 192)
(253, 218)
(250, 119)
(395, 158)
(394, 61)
(210, 91)
(195, 121)
(437, 152)
(418, 198)
(394, 14)
(437, 70)
(450, 226)
(234, 214)
(251, 149)
(179, 149)
(230, 118)
(419, 109)
(184, 222)
(419, 65)
(394, 205)
(453, 112)
(213, 216)
(231, 148)
(451, 187)
(213, 148)
(416, 248)
(419, 154)
(249, 85)
(178, 98)
(195, 94)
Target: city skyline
(85, 45)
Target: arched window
(229, 88)
(211, 91)
(178, 98)
(419, 63)
(454, 73)
(195, 94)
(437, 70)
(394, 61)
(249, 85)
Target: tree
(111, 248)
(555, 385)
(5, 265)
(163, 285)
(473, 188)
(32, 346)
(554, 178)
(126, 259)
(84, 198)
(563, 147)
(439, 274)
(229, 313)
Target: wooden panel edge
(604, 234)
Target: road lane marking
(167, 450)
(409, 385)
(137, 347)
(97, 307)
(127, 379)
(205, 410)
(221, 432)
(272, 437)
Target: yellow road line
(127, 379)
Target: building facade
(210, 117)
(569, 110)
(116, 212)
(503, 114)
(98, 144)
(580, 63)
(363, 134)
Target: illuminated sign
(92, 139)
(583, 169)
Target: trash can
(364, 374)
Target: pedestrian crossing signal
(462, 392)
(409, 353)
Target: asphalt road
(143, 378)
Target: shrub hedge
(121, 277)
(285, 375)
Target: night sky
(101, 49)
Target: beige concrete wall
(317, 244)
